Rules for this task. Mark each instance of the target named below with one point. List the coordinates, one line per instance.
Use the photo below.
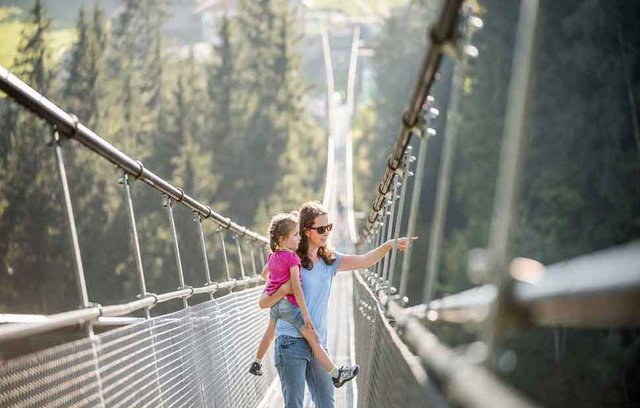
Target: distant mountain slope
(62, 12)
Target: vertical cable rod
(77, 257)
(511, 159)
(168, 202)
(444, 182)
(253, 260)
(406, 173)
(135, 240)
(237, 239)
(390, 230)
(203, 247)
(423, 135)
(224, 254)
(68, 208)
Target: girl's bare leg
(267, 338)
(318, 351)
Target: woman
(293, 357)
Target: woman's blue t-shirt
(316, 286)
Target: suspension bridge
(198, 356)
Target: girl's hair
(308, 213)
(280, 227)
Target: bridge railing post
(68, 207)
(446, 165)
(168, 203)
(379, 224)
(224, 253)
(263, 261)
(384, 227)
(135, 240)
(390, 229)
(511, 161)
(203, 247)
(239, 246)
(75, 244)
(376, 242)
(253, 260)
(406, 173)
(423, 134)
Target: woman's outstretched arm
(352, 262)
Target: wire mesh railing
(193, 357)
(391, 375)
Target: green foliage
(579, 191)
(270, 132)
(32, 250)
(227, 128)
(376, 126)
(85, 66)
(13, 21)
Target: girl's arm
(267, 301)
(351, 262)
(265, 272)
(296, 287)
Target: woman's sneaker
(255, 369)
(346, 373)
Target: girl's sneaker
(255, 369)
(347, 373)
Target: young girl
(283, 265)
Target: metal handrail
(572, 293)
(442, 35)
(31, 324)
(70, 126)
(464, 381)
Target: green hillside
(11, 26)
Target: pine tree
(32, 56)
(33, 231)
(277, 136)
(191, 162)
(222, 84)
(258, 167)
(135, 61)
(301, 163)
(81, 91)
(222, 120)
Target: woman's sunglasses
(322, 229)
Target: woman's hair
(308, 213)
(280, 227)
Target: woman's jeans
(295, 364)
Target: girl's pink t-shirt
(279, 264)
